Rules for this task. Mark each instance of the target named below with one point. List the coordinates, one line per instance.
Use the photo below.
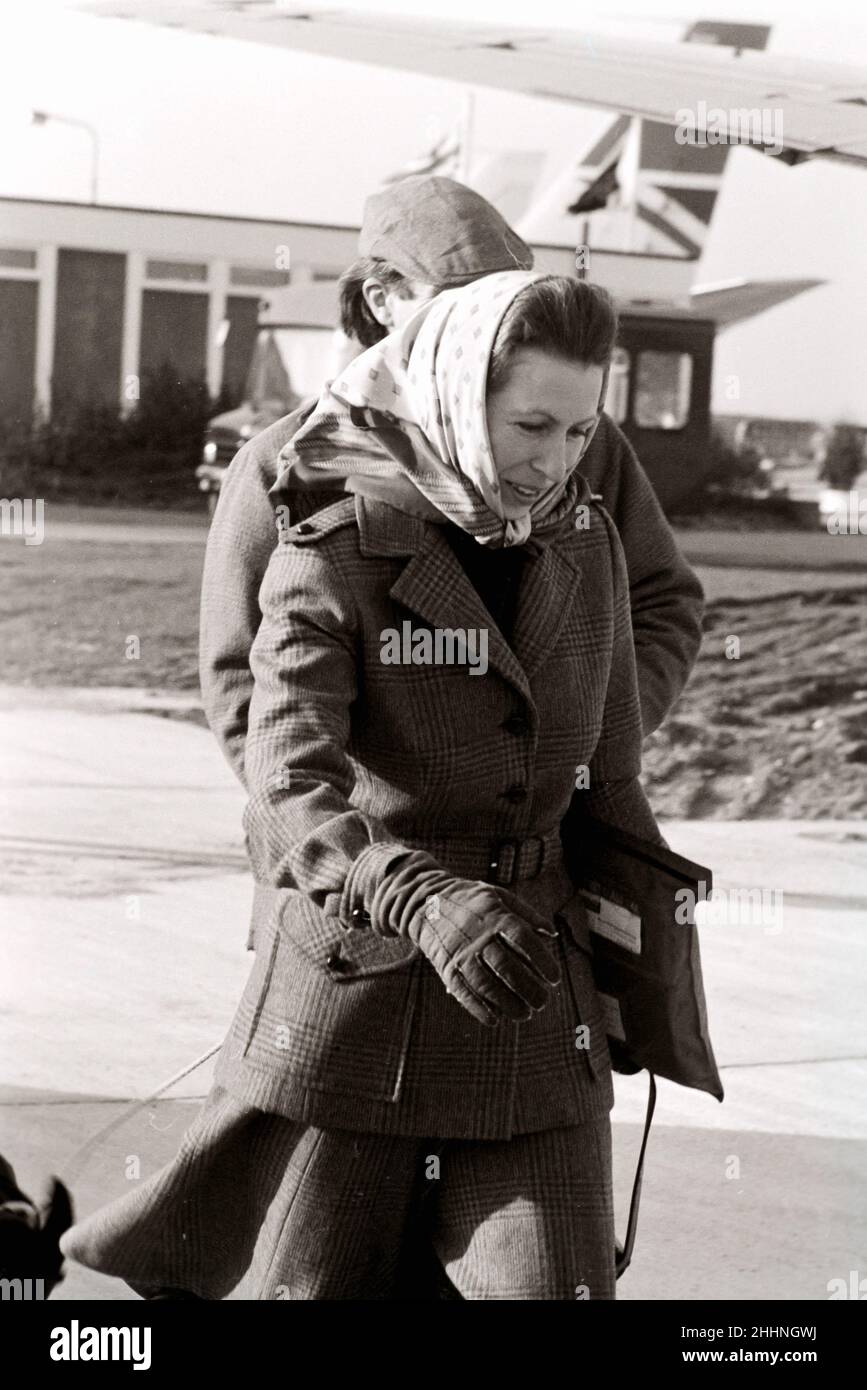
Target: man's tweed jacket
(665, 596)
(349, 759)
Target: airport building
(92, 297)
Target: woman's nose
(556, 462)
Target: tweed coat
(666, 598)
(350, 760)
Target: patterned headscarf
(407, 420)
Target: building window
(242, 318)
(256, 275)
(13, 259)
(176, 270)
(88, 326)
(662, 390)
(174, 328)
(617, 399)
(18, 302)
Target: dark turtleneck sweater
(494, 574)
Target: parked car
(296, 350)
(226, 434)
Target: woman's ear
(376, 300)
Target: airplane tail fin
(637, 189)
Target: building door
(662, 377)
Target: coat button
(516, 724)
(305, 528)
(336, 963)
(360, 918)
(516, 793)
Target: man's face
(399, 308)
(392, 309)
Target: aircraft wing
(737, 300)
(823, 105)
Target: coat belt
(504, 860)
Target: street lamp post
(42, 118)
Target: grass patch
(68, 607)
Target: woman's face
(538, 421)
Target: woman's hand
(490, 949)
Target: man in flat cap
(423, 230)
(425, 235)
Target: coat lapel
(433, 585)
(550, 585)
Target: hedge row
(90, 452)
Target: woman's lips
(526, 494)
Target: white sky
(212, 125)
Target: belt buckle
(515, 842)
(496, 859)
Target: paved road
(124, 902)
(774, 550)
(730, 565)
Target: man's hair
(568, 318)
(356, 320)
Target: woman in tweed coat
(420, 1057)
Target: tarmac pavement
(124, 900)
(730, 564)
(795, 548)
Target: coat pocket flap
(345, 954)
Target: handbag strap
(624, 1253)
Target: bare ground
(776, 728)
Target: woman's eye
(578, 434)
(531, 429)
